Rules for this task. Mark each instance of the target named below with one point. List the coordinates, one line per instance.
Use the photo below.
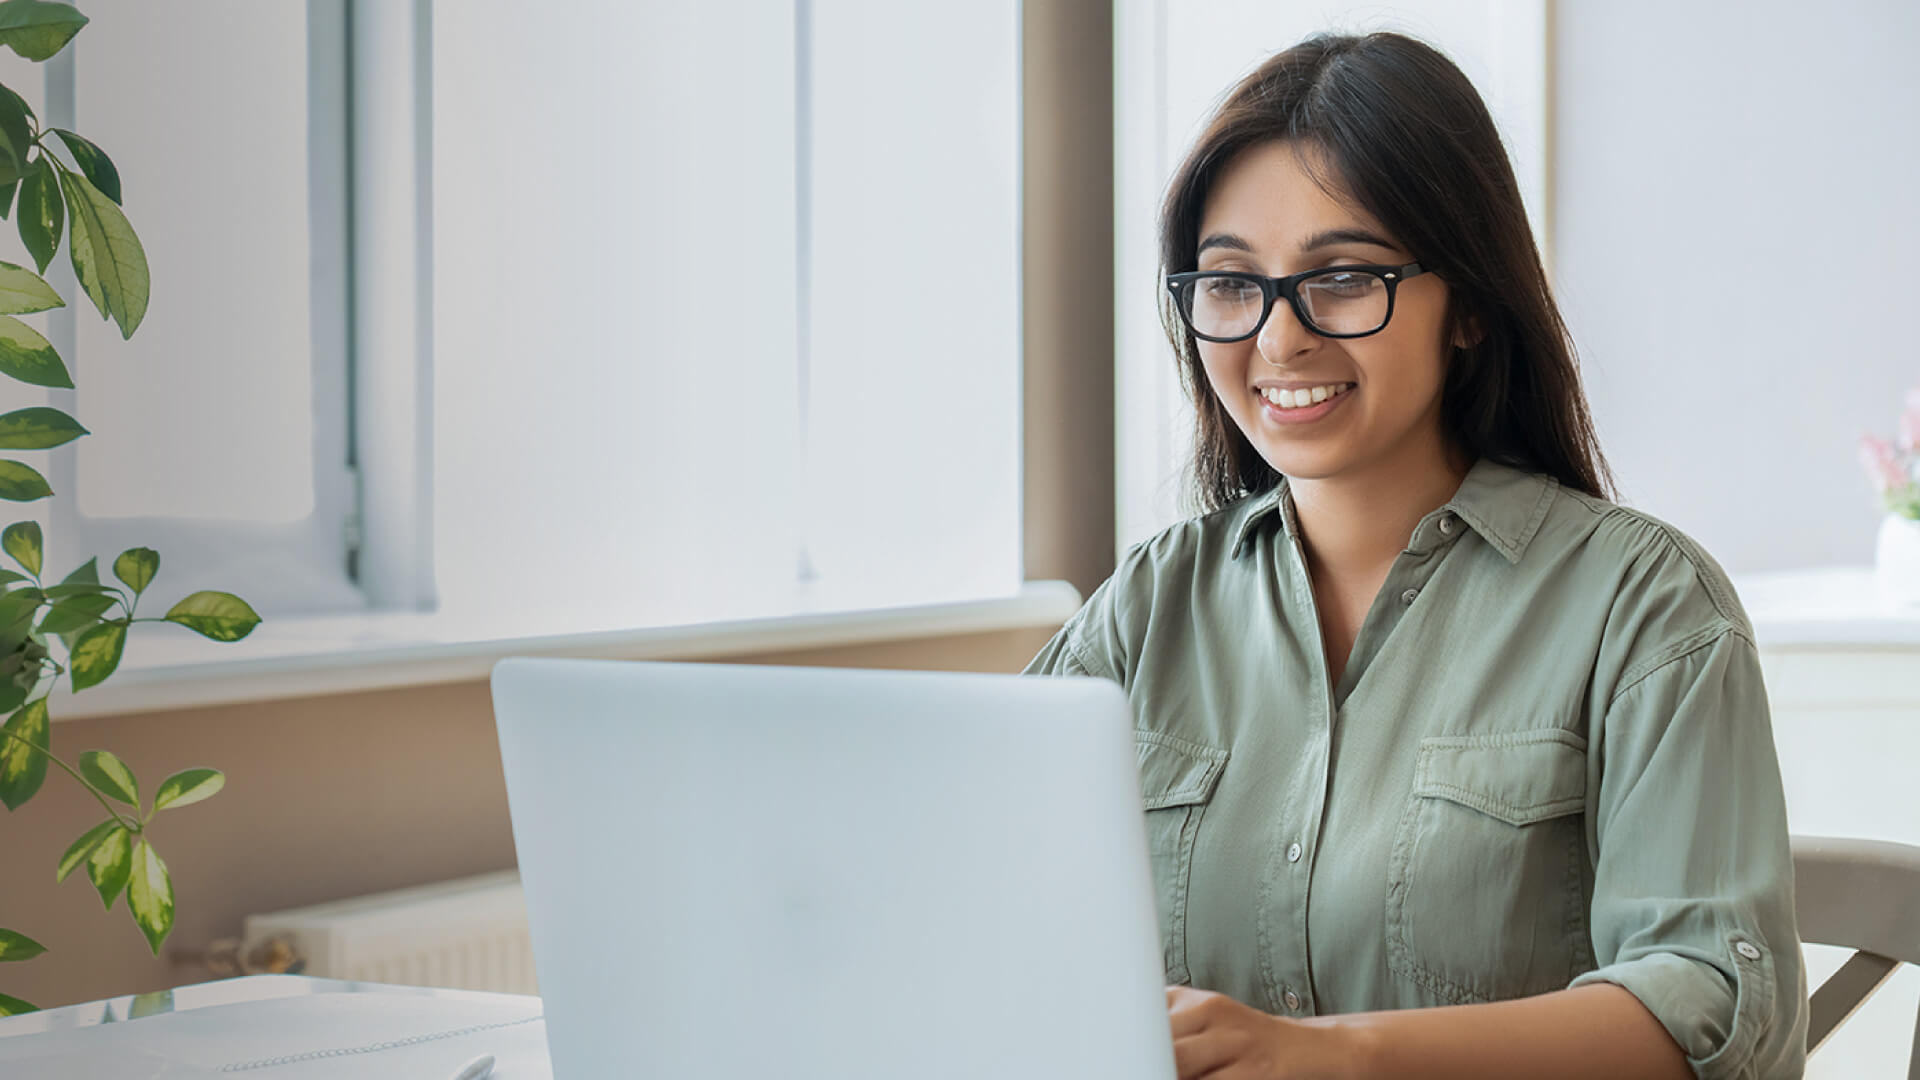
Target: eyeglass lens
(1336, 302)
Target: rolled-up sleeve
(1059, 656)
(1092, 642)
(1692, 906)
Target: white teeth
(1293, 399)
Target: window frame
(367, 543)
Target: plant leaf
(87, 573)
(104, 770)
(16, 613)
(20, 673)
(107, 256)
(22, 768)
(151, 895)
(36, 29)
(16, 131)
(64, 591)
(13, 157)
(23, 291)
(38, 428)
(27, 356)
(187, 787)
(8, 577)
(94, 162)
(76, 613)
(22, 541)
(96, 653)
(42, 214)
(6, 197)
(15, 945)
(83, 847)
(23, 653)
(13, 1006)
(20, 482)
(135, 568)
(218, 615)
(111, 864)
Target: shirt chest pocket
(1177, 778)
(1484, 880)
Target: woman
(1452, 766)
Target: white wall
(1708, 165)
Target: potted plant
(1895, 471)
(54, 181)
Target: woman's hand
(1218, 1038)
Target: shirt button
(1293, 852)
(1747, 949)
(1408, 596)
(1293, 1001)
(1446, 525)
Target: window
(725, 300)
(645, 314)
(219, 430)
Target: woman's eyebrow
(1324, 238)
(1225, 240)
(1330, 237)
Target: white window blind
(724, 294)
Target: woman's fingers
(1190, 1010)
(1197, 1055)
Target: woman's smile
(1302, 406)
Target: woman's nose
(1284, 336)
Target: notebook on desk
(739, 871)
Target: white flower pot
(1896, 560)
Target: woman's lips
(1305, 414)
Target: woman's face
(1265, 215)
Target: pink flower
(1910, 423)
(1882, 465)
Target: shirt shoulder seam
(1722, 603)
(1704, 638)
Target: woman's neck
(1353, 525)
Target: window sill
(286, 658)
(1829, 607)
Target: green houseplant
(80, 196)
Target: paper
(362, 1035)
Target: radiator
(467, 934)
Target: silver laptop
(738, 871)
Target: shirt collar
(1503, 504)
(1275, 500)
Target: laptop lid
(741, 871)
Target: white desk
(280, 1027)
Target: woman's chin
(1303, 463)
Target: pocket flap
(1519, 777)
(1176, 771)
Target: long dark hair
(1408, 139)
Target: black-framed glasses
(1335, 302)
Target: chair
(1864, 895)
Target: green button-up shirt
(1548, 763)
